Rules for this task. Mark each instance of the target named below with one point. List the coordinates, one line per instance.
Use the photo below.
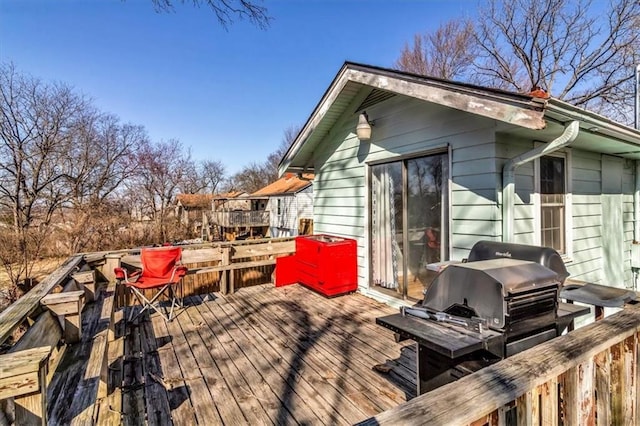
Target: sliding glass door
(409, 218)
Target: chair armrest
(121, 274)
(181, 271)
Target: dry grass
(41, 269)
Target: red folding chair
(161, 271)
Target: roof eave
(520, 110)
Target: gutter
(509, 174)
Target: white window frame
(568, 202)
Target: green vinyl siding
(404, 127)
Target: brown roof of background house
(287, 184)
(195, 200)
(225, 195)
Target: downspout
(636, 193)
(636, 204)
(509, 174)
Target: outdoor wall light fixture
(363, 129)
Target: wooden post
(67, 306)
(23, 375)
(87, 281)
(112, 261)
(232, 274)
(226, 260)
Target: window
(409, 219)
(553, 203)
(279, 206)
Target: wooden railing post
(232, 273)
(23, 375)
(68, 306)
(226, 260)
(112, 261)
(87, 281)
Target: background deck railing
(589, 376)
(230, 219)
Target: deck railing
(589, 376)
(230, 219)
(224, 266)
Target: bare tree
(100, 160)
(447, 53)
(251, 178)
(163, 169)
(258, 175)
(225, 10)
(213, 173)
(273, 160)
(579, 52)
(575, 52)
(37, 125)
(192, 181)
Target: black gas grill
(503, 300)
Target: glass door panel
(424, 219)
(387, 258)
(409, 219)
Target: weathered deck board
(133, 379)
(348, 313)
(77, 377)
(216, 343)
(228, 409)
(308, 353)
(233, 402)
(307, 407)
(170, 375)
(305, 374)
(15, 314)
(156, 400)
(258, 386)
(267, 355)
(337, 349)
(199, 396)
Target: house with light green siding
(449, 164)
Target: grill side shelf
(449, 341)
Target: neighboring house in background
(189, 207)
(191, 211)
(289, 201)
(448, 164)
(236, 215)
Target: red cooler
(327, 264)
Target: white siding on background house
(304, 203)
(293, 207)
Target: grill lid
(483, 250)
(485, 286)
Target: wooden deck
(265, 355)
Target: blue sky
(228, 95)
